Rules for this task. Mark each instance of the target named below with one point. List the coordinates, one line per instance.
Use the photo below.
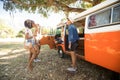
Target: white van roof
(95, 8)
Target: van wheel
(60, 52)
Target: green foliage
(86, 5)
(6, 31)
(20, 33)
(58, 31)
(44, 6)
(47, 31)
(81, 29)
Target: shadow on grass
(10, 63)
(12, 53)
(12, 60)
(10, 45)
(13, 66)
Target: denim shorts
(74, 46)
(30, 41)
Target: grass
(10, 45)
(14, 60)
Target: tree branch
(75, 9)
(67, 8)
(94, 2)
(24, 4)
(88, 1)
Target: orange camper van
(99, 32)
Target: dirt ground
(14, 59)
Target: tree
(46, 6)
(20, 33)
(5, 30)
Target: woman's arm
(36, 31)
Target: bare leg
(30, 55)
(37, 51)
(73, 57)
(30, 50)
(32, 58)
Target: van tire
(60, 52)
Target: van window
(116, 14)
(58, 31)
(80, 30)
(100, 19)
(92, 21)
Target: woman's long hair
(28, 23)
